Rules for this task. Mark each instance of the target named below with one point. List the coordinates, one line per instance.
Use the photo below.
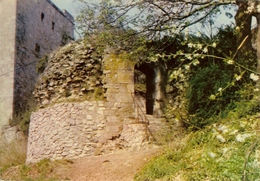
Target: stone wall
(87, 106)
(41, 29)
(29, 30)
(74, 130)
(81, 125)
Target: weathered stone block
(130, 87)
(89, 117)
(110, 97)
(124, 76)
(114, 129)
(122, 97)
(113, 90)
(112, 120)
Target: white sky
(72, 7)
(69, 5)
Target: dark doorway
(149, 82)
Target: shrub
(205, 82)
(42, 63)
(228, 150)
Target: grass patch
(41, 171)
(13, 167)
(45, 170)
(12, 154)
(228, 150)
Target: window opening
(37, 49)
(53, 25)
(42, 16)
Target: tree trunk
(243, 22)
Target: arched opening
(145, 85)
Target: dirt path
(120, 166)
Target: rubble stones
(72, 72)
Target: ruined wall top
(63, 12)
(78, 72)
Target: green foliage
(101, 24)
(242, 109)
(65, 38)
(25, 121)
(219, 80)
(218, 90)
(22, 118)
(97, 94)
(218, 152)
(116, 41)
(205, 82)
(43, 170)
(42, 63)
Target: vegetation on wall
(41, 65)
(22, 118)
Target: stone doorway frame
(156, 79)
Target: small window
(53, 25)
(37, 48)
(42, 16)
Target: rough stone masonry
(76, 127)
(75, 130)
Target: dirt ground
(122, 165)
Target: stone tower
(29, 29)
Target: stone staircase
(152, 123)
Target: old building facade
(29, 30)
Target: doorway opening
(145, 85)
